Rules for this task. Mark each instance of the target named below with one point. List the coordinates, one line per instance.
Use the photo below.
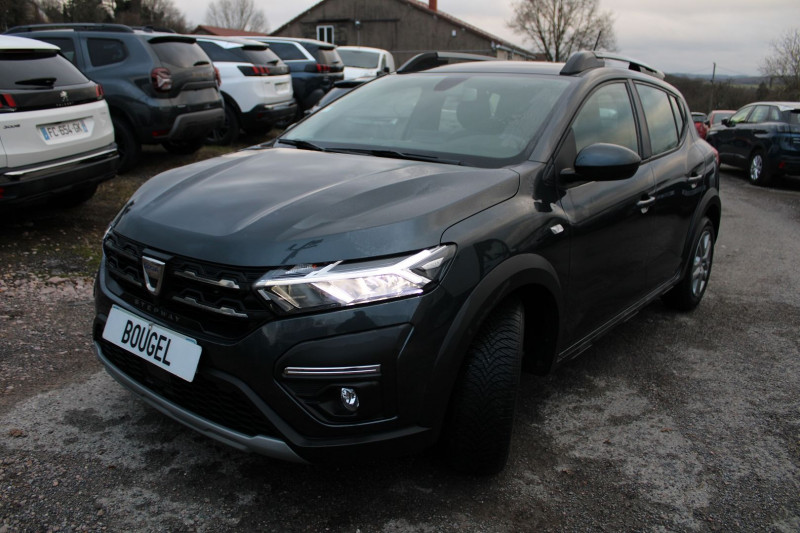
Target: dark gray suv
(376, 279)
(161, 88)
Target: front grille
(206, 396)
(208, 298)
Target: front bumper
(245, 393)
(49, 179)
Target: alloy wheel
(701, 265)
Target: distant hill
(734, 80)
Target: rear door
(193, 81)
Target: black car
(763, 138)
(315, 66)
(161, 88)
(375, 281)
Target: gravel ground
(670, 423)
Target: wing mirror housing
(603, 162)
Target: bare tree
(237, 14)
(783, 65)
(558, 28)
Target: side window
(660, 118)
(67, 47)
(740, 116)
(760, 114)
(680, 114)
(325, 34)
(606, 117)
(216, 52)
(287, 51)
(774, 114)
(106, 51)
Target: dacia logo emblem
(153, 270)
(64, 96)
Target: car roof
(231, 42)
(362, 49)
(8, 42)
(321, 44)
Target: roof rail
(79, 26)
(428, 60)
(150, 29)
(587, 60)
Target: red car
(700, 123)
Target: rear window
(180, 54)
(328, 57)
(359, 58)
(287, 51)
(37, 70)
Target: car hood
(283, 206)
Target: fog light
(349, 399)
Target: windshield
(475, 119)
(359, 58)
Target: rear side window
(180, 54)
(217, 53)
(287, 51)
(67, 46)
(660, 118)
(36, 70)
(106, 51)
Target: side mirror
(726, 122)
(604, 162)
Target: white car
(255, 84)
(56, 135)
(362, 61)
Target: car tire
(686, 295)
(757, 169)
(189, 146)
(229, 132)
(128, 147)
(478, 429)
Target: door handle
(645, 203)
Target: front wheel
(478, 430)
(686, 295)
(757, 170)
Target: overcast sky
(676, 36)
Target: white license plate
(168, 350)
(70, 128)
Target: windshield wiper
(40, 82)
(395, 154)
(303, 145)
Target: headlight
(340, 284)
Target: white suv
(256, 86)
(56, 136)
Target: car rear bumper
(195, 124)
(268, 114)
(48, 179)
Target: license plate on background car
(70, 128)
(168, 350)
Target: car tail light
(217, 77)
(7, 102)
(319, 67)
(254, 70)
(2, 192)
(99, 92)
(162, 79)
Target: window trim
(325, 29)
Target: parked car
(763, 138)
(380, 273)
(716, 117)
(700, 123)
(362, 61)
(255, 84)
(315, 66)
(57, 140)
(161, 88)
